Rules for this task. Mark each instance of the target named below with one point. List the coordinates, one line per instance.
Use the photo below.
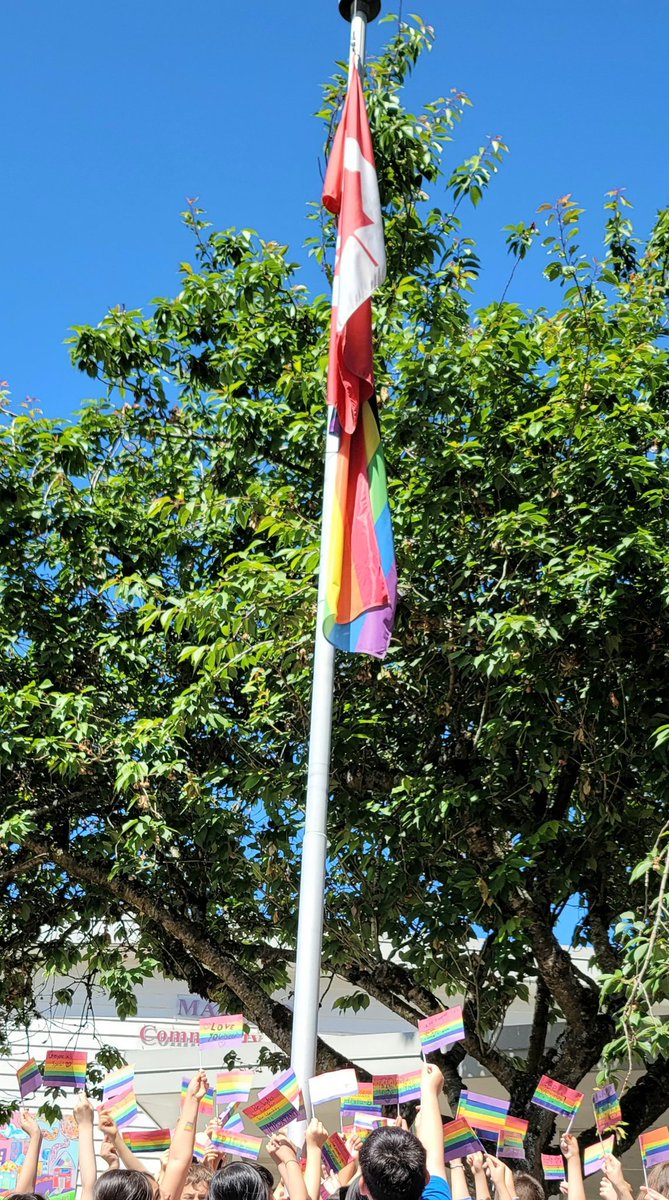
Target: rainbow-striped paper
(485, 1114)
(335, 1153)
(244, 1145)
(117, 1083)
(332, 1085)
(593, 1156)
(233, 1087)
(272, 1110)
(408, 1086)
(223, 1028)
(385, 1089)
(234, 1124)
(654, 1146)
(608, 1114)
(147, 1141)
(552, 1166)
(29, 1078)
(201, 1147)
(207, 1107)
(511, 1142)
(459, 1140)
(122, 1108)
(443, 1029)
(287, 1083)
(557, 1097)
(365, 1123)
(65, 1068)
(361, 1101)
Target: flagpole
(306, 989)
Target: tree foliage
(158, 570)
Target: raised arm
(282, 1150)
(112, 1134)
(349, 1172)
(459, 1185)
(570, 1150)
(88, 1171)
(27, 1177)
(431, 1128)
(317, 1136)
(500, 1175)
(183, 1140)
(477, 1164)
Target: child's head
(527, 1187)
(658, 1178)
(239, 1181)
(392, 1166)
(125, 1185)
(197, 1182)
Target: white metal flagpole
(314, 845)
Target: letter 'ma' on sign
(189, 1006)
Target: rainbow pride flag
(201, 1147)
(408, 1086)
(29, 1078)
(511, 1142)
(593, 1156)
(65, 1068)
(335, 1153)
(207, 1107)
(273, 1109)
(244, 1145)
(557, 1097)
(147, 1141)
(485, 1114)
(234, 1124)
(443, 1029)
(223, 1028)
(360, 570)
(459, 1140)
(552, 1166)
(386, 1090)
(654, 1146)
(123, 1108)
(608, 1114)
(361, 1101)
(287, 1083)
(233, 1087)
(116, 1083)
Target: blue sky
(114, 113)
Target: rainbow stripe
(207, 1107)
(485, 1114)
(654, 1146)
(272, 1110)
(386, 1089)
(552, 1166)
(608, 1114)
(224, 1028)
(593, 1156)
(511, 1142)
(556, 1097)
(65, 1068)
(459, 1140)
(244, 1145)
(335, 1153)
(201, 1147)
(122, 1108)
(361, 1101)
(148, 1141)
(443, 1029)
(118, 1082)
(234, 1087)
(29, 1078)
(408, 1086)
(234, 1125)
(286, 1083)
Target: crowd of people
(392, 1163)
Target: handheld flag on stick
(608, 1114)
(485, 1114)
(459, 1140)
(386, 1089)
(593, 1156)
(443, 1029)
(361, 571)
(65, 1068)
(511, 1142)
(233, 1087)
(361, 1101)
(214, 1030)
(117, 1083)
(654, 1146)
(408, 1086)
(335, 1153)
(123, 1107)
(29, 1078)
(332, 1086)
(552, 1166)
(244, 1145)
(557, 1097)
(147, 1141)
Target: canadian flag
(351, 191)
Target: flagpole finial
(367, 8)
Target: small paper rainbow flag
(385, 1089)
(122, 1108)
(593, 1156)
(244, 1145)
(443, 1029)
(233, 1087)
(485, 1114)
(148, 1141)
(552, 1166)
(207, 1107)
(29, 1078)
(65, 1068)
(459, 1140)
(365, 1123)
(361, 1101)
(234, 1125)
(654, 1146)
(332, 1086)
(608, 1114)
(408, 1086)
(556, 1097)
(287, 1083)
(272, 1110)
(201, 1147)
(117, 1083)
(511, 1142)
(335, 1153)
(223, 1028)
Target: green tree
(158, 563)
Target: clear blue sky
(114, 113)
